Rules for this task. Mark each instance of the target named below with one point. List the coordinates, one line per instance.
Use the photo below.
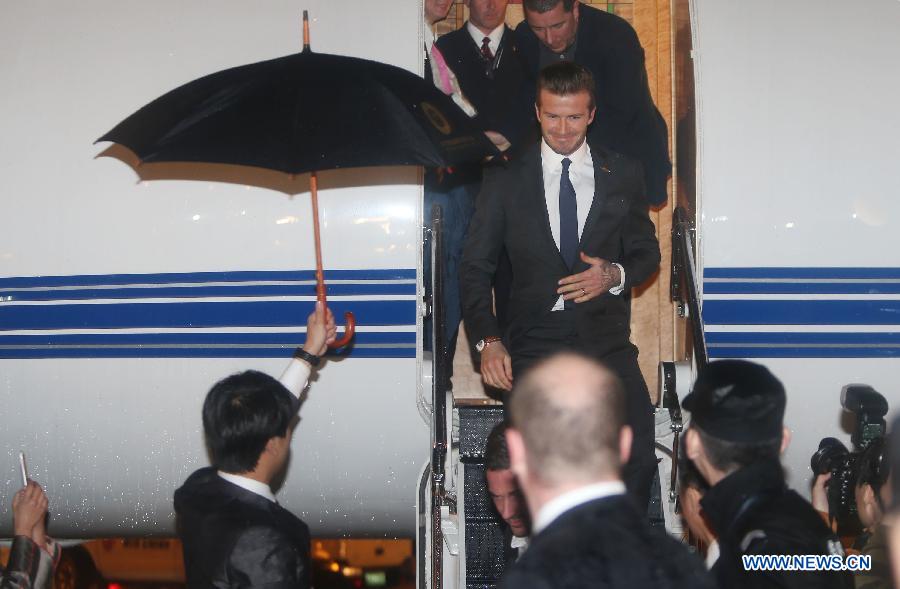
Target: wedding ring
(583, 292)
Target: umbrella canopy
(301, 113)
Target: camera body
(869, 407)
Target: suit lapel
(533, 173)
(603, 176)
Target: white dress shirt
(581, 174)
(261, 489)
(559, 505)
(494, 36)
(520, 543)
(296, 376)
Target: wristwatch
(483, 343)
(311, 359)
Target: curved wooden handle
(349, 332)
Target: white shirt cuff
(617, 290)
(296, 376)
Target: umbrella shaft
(320, 275)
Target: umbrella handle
(349, 332)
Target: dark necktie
(486, 49)
(568, 216)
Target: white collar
(563, 503)
(261, 489)
(478, 36)
(552, 160)
(519, 542)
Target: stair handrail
(684, 286)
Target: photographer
(852, 489)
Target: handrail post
(684, 281)
(439, 397)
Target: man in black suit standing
(573, 219)
(234, 532)
(482, 54)
(627, 120)
(566, 444)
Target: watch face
(479, 346)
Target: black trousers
(557, 332)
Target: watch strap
(311, 359)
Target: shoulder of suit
(454, 39)
(609, 159)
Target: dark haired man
(505, 494)
(735, 440)
(627, 120)
(233, 531)
(573, 219)
(567, 444)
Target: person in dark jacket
(735, 440)
(567, 443)
(627, 120)
(234, 532)
(505, 494)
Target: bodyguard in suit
(572, 217)
(627, 120)
(566, 445)
(484, 58)
(234, 532)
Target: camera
(869, 407)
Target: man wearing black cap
(735, 440)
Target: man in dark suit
(566, 444)
(482, 54)
(505, 494)
(234, 532)
(627, 120)
(572, 217)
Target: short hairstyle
(564, 78)
(570, 420)
(728, 456)
(241, 414)
(496, 454)
(545, 5)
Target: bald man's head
(570, 411)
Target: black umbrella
(302, 113)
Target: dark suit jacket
(491, 90)
(627, 121)
(235, 538)
(605, 544)
(511, 212)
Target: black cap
(737, 401)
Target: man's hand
(496, 366)
(499, 141)
(320, 330)
(29, 511)
(820, 492)
(593, 282)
